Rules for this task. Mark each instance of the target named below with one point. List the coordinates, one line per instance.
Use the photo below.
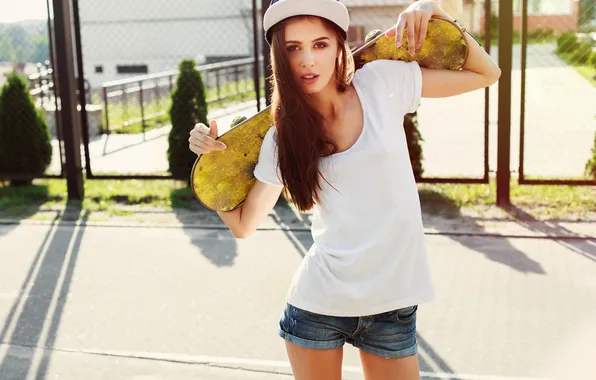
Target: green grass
(537, 201)
(127, 119)
(100, 195)
(517, 39)
(448, 200)
(588, 72)
(134, 128)
(585, 70)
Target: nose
(307, 58)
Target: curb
(197, 226)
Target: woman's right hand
(203, 139)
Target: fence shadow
(43, 279)
(294, 224)
(17, 204)
(296, 228)
(498, 250)
(567, 238)
(440, 364)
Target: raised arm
(478, 72)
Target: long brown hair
(302, 137)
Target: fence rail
(157, 87)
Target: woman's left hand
(415, 21)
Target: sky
(11, 10)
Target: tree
(414, 140)
(587, 11)
(25, 146)
(24, 44)
(590, 168)
(189, 106)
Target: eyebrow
(318, 39)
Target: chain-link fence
(132, 55)
(453, 132)
(557, 83)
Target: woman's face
(312, 51)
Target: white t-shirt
(369, 254)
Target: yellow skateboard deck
(222, 179)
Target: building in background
(128, 38)
(135, 37)
(558, 15)
(367, 15)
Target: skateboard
(221, 180)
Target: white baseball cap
(332, 10)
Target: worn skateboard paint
(222, 179)
(443, 48)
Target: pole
(487, 46)
(67, 89)
(82, 90)
(266, 62)
(504, 122)
(522, 106)
(255, 37)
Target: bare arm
(246, 219)
(260, 199)
(478, 72)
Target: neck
(328, 102)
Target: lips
(309, 78)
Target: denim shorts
(391, 334)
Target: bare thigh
(309, 364)
(378, 368)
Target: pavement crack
(146, 356)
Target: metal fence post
(83, 99)
(141, 100)
(67, 88)
(106, 128)
(522, 105)
(267, 72)
(256, 71)
(504, 122)
(487, 45)
(218, 84)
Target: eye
(321, 45)
(291, 48)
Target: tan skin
(314, 50)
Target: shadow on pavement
(46, 284)
(584, 247)
(19, 203)
(142, 139)
(217, 245)
(440, 364)
(498, 250)
(299, 233)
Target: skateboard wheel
(372, 35)
(237, 120)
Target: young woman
(338, 147)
